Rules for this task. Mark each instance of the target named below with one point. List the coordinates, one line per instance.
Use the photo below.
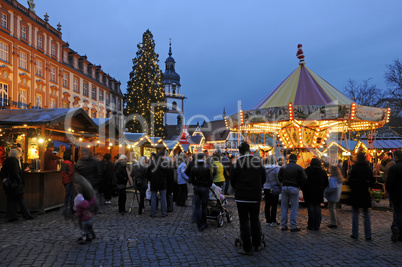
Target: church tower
(174, 100)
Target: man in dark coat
(157, 174)
(360, 180)
(201, 178)
(394, 188)
(313, 192)
(292, 176)
(14, 187)
(247, 178)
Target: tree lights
(145, 96)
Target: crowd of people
(93, 180)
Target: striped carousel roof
(303, 87)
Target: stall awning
(58, 118)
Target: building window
(52, 74)
(107, 81)
(23, 32)
(113, 101)
(119, 104)
(174, 105)
(85, 89)
(23, 61)
(22, 99)
(100, 95)
(4, 21)
(174, 89)
(93, 113)
(93, 73)
(93, 95)
(40, 42)
(75, 63)
(53, 50)
(65, 57)
(3, 94)
(107, 99)
(53, 103)
(65, 80)
(76, 87)
(85, 68)
(39, 68)
(4, 51)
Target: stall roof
(134, 137)
(386, 143)
(80, 121)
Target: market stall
(32, 130)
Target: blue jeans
(154, 200)
(314, 216)
(290, 195)
(201, 195)
(367, 222)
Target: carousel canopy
(303, 87)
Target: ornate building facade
(174, 100)
(39, 70)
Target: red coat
(67, 173)
(83, 210)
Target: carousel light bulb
(98, 142)
(40, 140)
(80, 139)
(89, 146)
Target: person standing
(121, 180)
(138, 173)
(247, 178)
(157, 174)
(13, 185)
(394, 187)
(313, 192)
(361, 178)
(62, 149)
(109, 180)
(333, 193)
(292, 176)
(67, 173)
(201, 178)
(50, 158)
(182, 180)
(217, 171)
(89, 167)
(270, 196)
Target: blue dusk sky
(229, 50)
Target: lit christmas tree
(145, 97)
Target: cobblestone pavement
(139, 240)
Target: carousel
(304, 113)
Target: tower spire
(170, 47)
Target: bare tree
(365, 93)
(393, 78)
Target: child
(85, 207)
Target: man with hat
(247, 178)
(50, 158)
(292, 176)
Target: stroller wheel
(219, 220)
(229, 216)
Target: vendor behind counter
(50, 158)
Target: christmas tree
(145, 97)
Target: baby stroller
(215, 209)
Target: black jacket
(313, 188)
(90, 169)
(292, 174)
(121, 173)
(360, 179)
(157, 174)
(12, 171)
(201, 174)
(394, 183)
(247, 177)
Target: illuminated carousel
(303, 111)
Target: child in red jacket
(85, 207)
(67, 173)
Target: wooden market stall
(33, 129)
